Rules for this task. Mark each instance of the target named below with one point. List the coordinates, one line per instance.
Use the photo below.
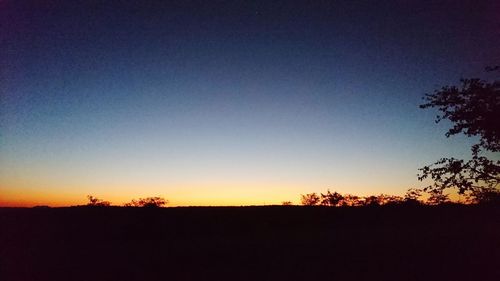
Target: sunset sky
(234, 103)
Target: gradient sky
(233, 103)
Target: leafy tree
(96, 202)
(474, 109)
(331, 199)
(310, 199)
(153, 202)
(286, 203)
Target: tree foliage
(474, 109)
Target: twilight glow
(237, 103)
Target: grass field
(251, 243)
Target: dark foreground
(251, 243)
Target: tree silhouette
(96, 202)
(372, 201)
(474, 109)
(412, 196)
(484, 196)
(386, 199)
(331, 199)
(310, 199)
(352, 200)
(153, 202)
(437, 197)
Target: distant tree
(371, 201)
(286, 203)
(385, 199)
(484, 196)
(412, 196)
(96, 202)
(474, 109)
(352, 200)
(331, 199)
(437, 197)
(153, 202)
(310, 199)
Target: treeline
(141, 202)
(413, 196)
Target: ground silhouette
(390, 242)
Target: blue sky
(229, 103)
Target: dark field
(251, 243)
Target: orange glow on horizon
(195, 195)
(28, 192)
(204, 195)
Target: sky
(228, 102)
